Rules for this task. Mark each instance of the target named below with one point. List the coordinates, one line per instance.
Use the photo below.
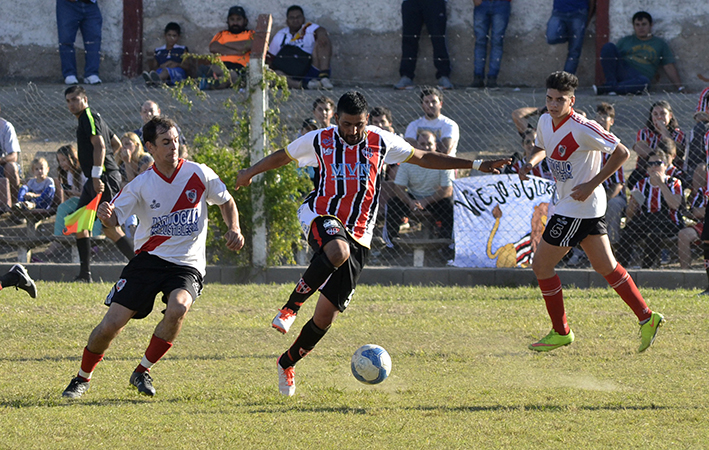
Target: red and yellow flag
(82, 219)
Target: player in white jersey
(338, 216)
(170, 200)
(573, 146)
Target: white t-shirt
(422, 182)
(441, 127)
(573, 152)
(303, 39)
(172, 212)
(8, 138)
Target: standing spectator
(9, 156)
(72, 16)
(302, 52)
(568, 24)
(38, 193)
(323, 110)
(96, 144)
(446, 130)
(414, 14)
(491, 16)
(631, 65)
(172, 258)
(233, 46)
(72, 182)
(166, 65)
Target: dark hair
(527, 132)
(70, 153)
(381, 111)
(323, 99)
(352, 102)
(173, 26)
(640, 15)
(431, 90)
(672, 125)
(667, 146)
(660, 154)
(562, 81)
(294, 8)
(157, 125)
(606, 109)
(74, 89)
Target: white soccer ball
(371, 364)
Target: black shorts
(562, 231)
(340, 287)
(705, 230)
(145, 276)
(111, 182)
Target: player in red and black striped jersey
(339, 214)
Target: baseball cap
(238, 10)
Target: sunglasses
(655, 163)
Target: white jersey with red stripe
(573, 151)
(349, 176)
(172, 212)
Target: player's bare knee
(337, 252)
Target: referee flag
(81, 219)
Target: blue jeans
(491, 16)
(620, 77)
(414, 14)
(74, 16)
(568, 27)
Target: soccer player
(338, 216)
(170, 200)
(573, 147)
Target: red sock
(625, 287)
(156, 350)
(554, 299)
(89, 361)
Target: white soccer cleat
(283, 320)
(286, 380)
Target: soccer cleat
(286, 380)
(76, 388)
(283, 320)
(648, 331)
(552, 341)
(404, 83)
(143, 382)
(92, 79)
(25, 282)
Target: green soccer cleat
(648, 331)
(552, 341)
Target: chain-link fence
(502, 236)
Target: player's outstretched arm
(275, 160)
(535, 158)
(435, 160)
(233, 237)
(107, 215)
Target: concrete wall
(366, 37)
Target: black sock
(309, 336)
(84, 247)
(126, 247)
(9, 279)
(705, 245)
(315, 275)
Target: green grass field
(462, 376)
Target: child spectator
(542, 169)
(166, 67)
(323, 111)
(38, 193)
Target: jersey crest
(565, 148)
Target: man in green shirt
(631, 65)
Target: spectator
(130, 157)
(302, 51)
(72, 16)
(38, 193)
(542, 169)
(653, 212)
(615, 184)
(631, 65)
(661, 124)
(446, 130)
(233, 46)
(491, 16)
(309, 124)
(568, 24)
(691, 234)
(414, 13)
(421, 189)
(72, 181)
(166, 65)
(520, 116)
(695, 149)
(323, 111)
(9, 156)
(150, 109)
(381, 117)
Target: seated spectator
(540, 170)
(166, 65)
(631, 65)
(421, 189)
(381, 117)
(307, 126)
(9, 156)
(661, 124)
(446, 130)
(233, 46)
(131, 224)
(653, 212)
(520, 116)
(301, 51)
(131, 156)
(695, 150)
(568, 24)
(692, 234)
(38, 192)
(72, 181)
(323, 111)
(150, 109)
(490, 19)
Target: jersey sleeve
(217, 192)
(126, 201)
(599, 139)
(302, 150)
(398, 150)
(541, 128)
